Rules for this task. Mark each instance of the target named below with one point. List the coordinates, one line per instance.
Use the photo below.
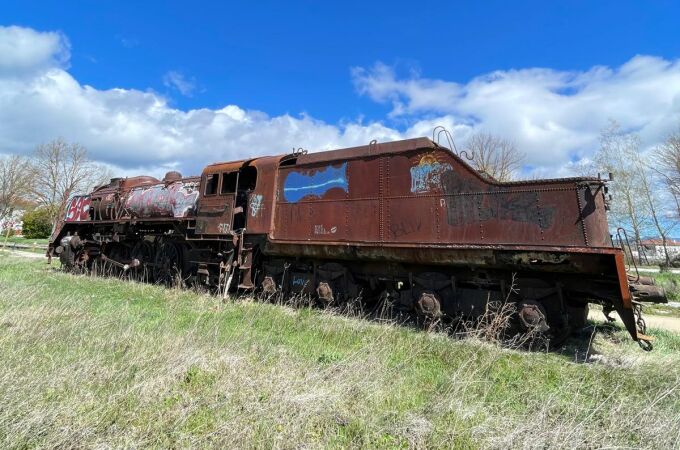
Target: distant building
(652, 249)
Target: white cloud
(552, 115)
(177, 81)
(139, 131)
(23, 49)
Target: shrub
(37, 224)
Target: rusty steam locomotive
(408, 222)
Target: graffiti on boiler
(78, 209)
(174, 200)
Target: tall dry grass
(100, 363)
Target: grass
(37, 245)
(23, 240)
(92, 362)
(671, 284)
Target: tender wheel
(167, 263)
(578, 317)
(532, 317)
(541, 326)
(268, 286)
(325, 293)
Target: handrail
(625, 235)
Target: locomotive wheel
(117, 253)
(143, 252)
(167, 263)
(578, 316)
(67, 258)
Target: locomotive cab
(223, 201)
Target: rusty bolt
(428, 305)
(532, 316)
(324, 292)
(268, 286)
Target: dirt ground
(664, 323)
(22, 254)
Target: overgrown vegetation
(24, 240)
(37, 224)
(669, 281)
(91, 362)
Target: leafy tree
(37, 224)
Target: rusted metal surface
(419, 194)
(175, 199)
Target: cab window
(247, 180)
(229, 181)
(211, 184)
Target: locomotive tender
(407, 222)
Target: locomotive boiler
(406, 222)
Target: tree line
(43, 182)
(645, 185)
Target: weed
(94, 362)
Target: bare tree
(15, 176)
(666, 164)
(637, 203)
(654, 203)
(60, 170)
(494, 156)
(614, 155)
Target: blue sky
(323, 74)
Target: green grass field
(92, 362)
(36, 245)
(23, 240)
(670, 282)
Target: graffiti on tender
(405, 227)
(513, 206)
(78, 209)
(426, 176)
(255, 204)
(173, 200)
(316, 183)
(320, 229)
